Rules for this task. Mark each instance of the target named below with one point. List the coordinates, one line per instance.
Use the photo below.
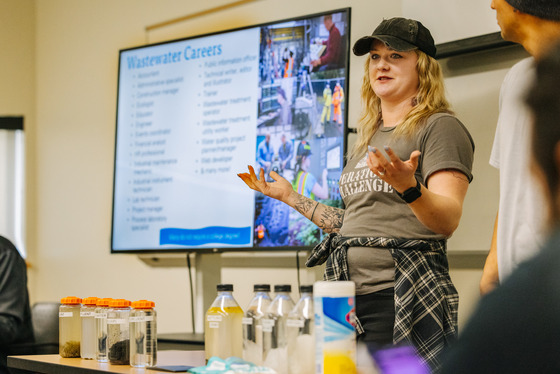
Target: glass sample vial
(118, 344)
(143, 334)
(69, 326)
(275, 343)
(252, 324)
(300, 334)
(223, 337)
(88, 339)
(101, 329)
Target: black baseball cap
(400, 34)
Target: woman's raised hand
(280, 189)
(399, 174)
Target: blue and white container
(335, 336)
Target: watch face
(412, 193)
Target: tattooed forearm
(304, 205)
(330, 219)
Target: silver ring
(382, 173)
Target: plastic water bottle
(335, 336)
(70, 327)
(252, 324)
(118, 332)
(101, 329)
(88, 340)
(275, 342)
(223, 336)
(143, 340)
(301, 334)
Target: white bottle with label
(223, 335)
(301, 334)
(252, 324)
(335, 336)
(275, 342)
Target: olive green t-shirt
(373, 208)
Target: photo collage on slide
(300, 130)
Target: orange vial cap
(70, 300)
(143, 304)
(90, 301)
(104, 301)
(119, 303)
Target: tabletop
(54, 364)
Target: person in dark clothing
(515, 327)
(15, 312)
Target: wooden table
(54, 364)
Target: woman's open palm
(280, 189)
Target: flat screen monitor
(193, 113)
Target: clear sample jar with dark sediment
(118, 338)
(101, 329)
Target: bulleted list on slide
(187, 115)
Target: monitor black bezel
(253, 248)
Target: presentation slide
(194, 113)
(196, 82)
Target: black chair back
(45, 326)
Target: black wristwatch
(412, 193)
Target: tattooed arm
(326, 217)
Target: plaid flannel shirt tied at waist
(426, 302)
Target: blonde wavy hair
(430, 99)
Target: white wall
(454, 19)
(17, 98)
(70, 61)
